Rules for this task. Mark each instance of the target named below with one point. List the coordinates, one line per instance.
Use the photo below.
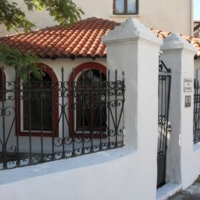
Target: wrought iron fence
(196, 120)
(46, 119)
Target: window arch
(87, 113)
(2, 85)
(38, 105)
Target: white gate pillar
(133, 48)
(178, 55)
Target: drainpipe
(191, 17)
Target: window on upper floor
(125, 7)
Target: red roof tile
(80, 40)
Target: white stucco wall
(104, 175)
(126, 46)
(166, 15)
(182, 155)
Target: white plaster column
(178, 55)
(133, 48)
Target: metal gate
(164, 84)
(196, 112)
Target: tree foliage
(12, 17)
(22, 62)
(63, 11)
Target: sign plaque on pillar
(188, 101)
(188, 85)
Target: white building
(166, 15)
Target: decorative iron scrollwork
(90, 117)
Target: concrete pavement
(191, 193)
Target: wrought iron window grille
(102, 130)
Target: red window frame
(72, 78)
(55, 102)
(2, 89)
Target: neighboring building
(166, 15)
(197, 29)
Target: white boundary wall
(126, 45)
(178, 54)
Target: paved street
(192, 193)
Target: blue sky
(196, 9)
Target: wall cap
(176, 42)
(131, 29)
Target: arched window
(2, 85)
(88, 99)
(39, 104)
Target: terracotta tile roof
(80, 40)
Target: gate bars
(164, 87)
(45, 120)
(196, 115)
